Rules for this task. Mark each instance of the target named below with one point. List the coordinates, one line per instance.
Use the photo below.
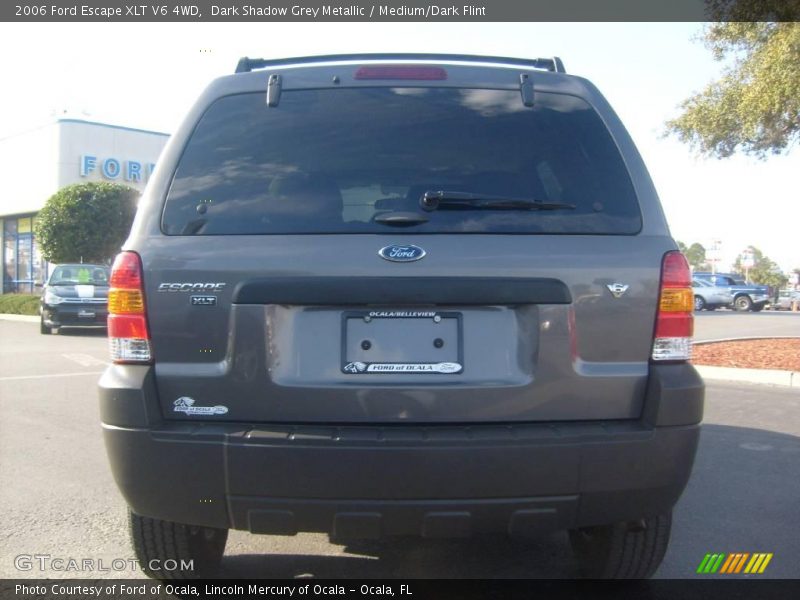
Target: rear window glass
(334, 160)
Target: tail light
(675, 317)
(128, 333)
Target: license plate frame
(355, 367)
(87, 314)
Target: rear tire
(743, 303)
(155, 541)
(44, 329)
(622, 550)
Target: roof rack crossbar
(554, 64)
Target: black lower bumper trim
(430, 480)
(519, 517)
(585, 475)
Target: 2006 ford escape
(401, 294)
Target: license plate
(86, 314)
(401, 341)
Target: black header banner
(453, 11)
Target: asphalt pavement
(59, 498)
(723, 324)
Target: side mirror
(38, 284)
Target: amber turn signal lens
(676, 300)
(125, 302)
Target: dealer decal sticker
(358, 367)
(186, 405)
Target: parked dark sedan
(75, 296)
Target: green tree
(696, 256)
(86, 222)
(754, 107)
(764, 270)
(681, 247)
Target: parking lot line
(85, 360)
(17, 377)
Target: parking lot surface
(59, 499)
(723, 324)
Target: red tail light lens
(406, 72)
(127, 326)
(674, 318)
(128, 332)
(675, 271)
(126, 272)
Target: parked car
(74, 296)
(746, 296)
(382, 295)
(708, 296)
(784, 300)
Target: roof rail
(554, 64)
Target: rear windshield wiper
(443, 200)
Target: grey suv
(383, 295)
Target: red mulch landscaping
(781, 354)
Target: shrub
(19, 304)
(86, 222)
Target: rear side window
(332, 160)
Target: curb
(24, 318)
(763, 376)
(745, 339)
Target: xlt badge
(203, 300)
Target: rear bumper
(368, 481)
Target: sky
(147, 75)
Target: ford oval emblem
(401, 252)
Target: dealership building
(37, 163)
